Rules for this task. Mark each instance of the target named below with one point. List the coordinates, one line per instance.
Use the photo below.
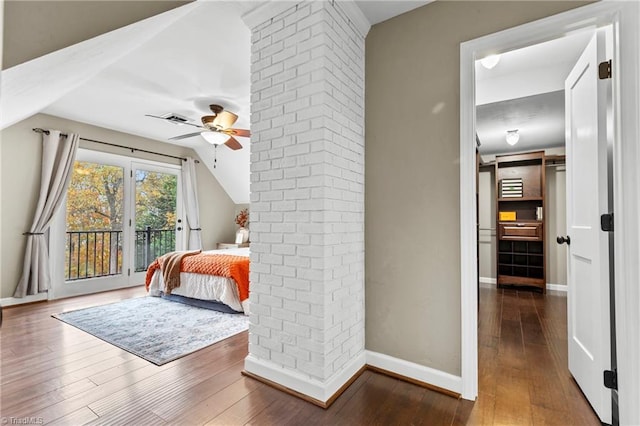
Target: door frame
(624, 16)
(57, 231)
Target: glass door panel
(94, 218)
(120, 215)
(156, 215)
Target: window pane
(94, 221)
(155, 216)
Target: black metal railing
(151, 243)
(92, 254)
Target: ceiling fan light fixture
(490, 61)
(513, 137)
(215, 138)
(224, 119)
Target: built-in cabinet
(520, 212)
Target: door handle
(179, 228)
(562, 240)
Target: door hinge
(606, 222)
(129, 222)
(604, 70)
(131, 173)
(611, 379)
(129, 272)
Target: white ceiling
(179, 62)
(187, 58)
(525, 91)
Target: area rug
(155, 329)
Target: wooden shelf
(520, 251)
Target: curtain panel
(192, 209)
(58, 156)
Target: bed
(201, 283)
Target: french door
(120, 215)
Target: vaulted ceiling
(101, 63)
(109, 66)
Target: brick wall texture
(307, 190)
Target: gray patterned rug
(155, 329)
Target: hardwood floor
(63, 376)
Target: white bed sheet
(206, 287)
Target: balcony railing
(152, 243)
(92, 254)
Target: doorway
(624, 17)
(120, 215)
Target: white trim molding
(625, 17)
(492, 282)
(356, 16)
(302, 383)
(561, 288)
(415, 371)
(29, 298)
(488, 280)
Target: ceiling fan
(216, 128)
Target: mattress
(206, 287)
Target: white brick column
(307, 196)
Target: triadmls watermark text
(22, 420)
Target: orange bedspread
(223, 265)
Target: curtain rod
(39, 130)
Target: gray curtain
(191, 207)
(58, 156)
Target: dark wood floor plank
(365, 406)
(435, 409)
(246, 408)
(54, 371)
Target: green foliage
(95, 202)
(155, 200)
(95, 197)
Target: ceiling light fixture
(215, 138)
(513, 137)
(222, 120)
(490, 61)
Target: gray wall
(487, 218)
(412, 210)
(556, 224)
(35, 28)
(20, 156)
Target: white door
(588, 266)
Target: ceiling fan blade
(244, 133)
(233, 143)
(188, 135)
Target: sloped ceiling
(179, 61)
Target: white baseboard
(557, 287)
(302, 383)
(415, 371)
(487, 280)
(12, 301)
